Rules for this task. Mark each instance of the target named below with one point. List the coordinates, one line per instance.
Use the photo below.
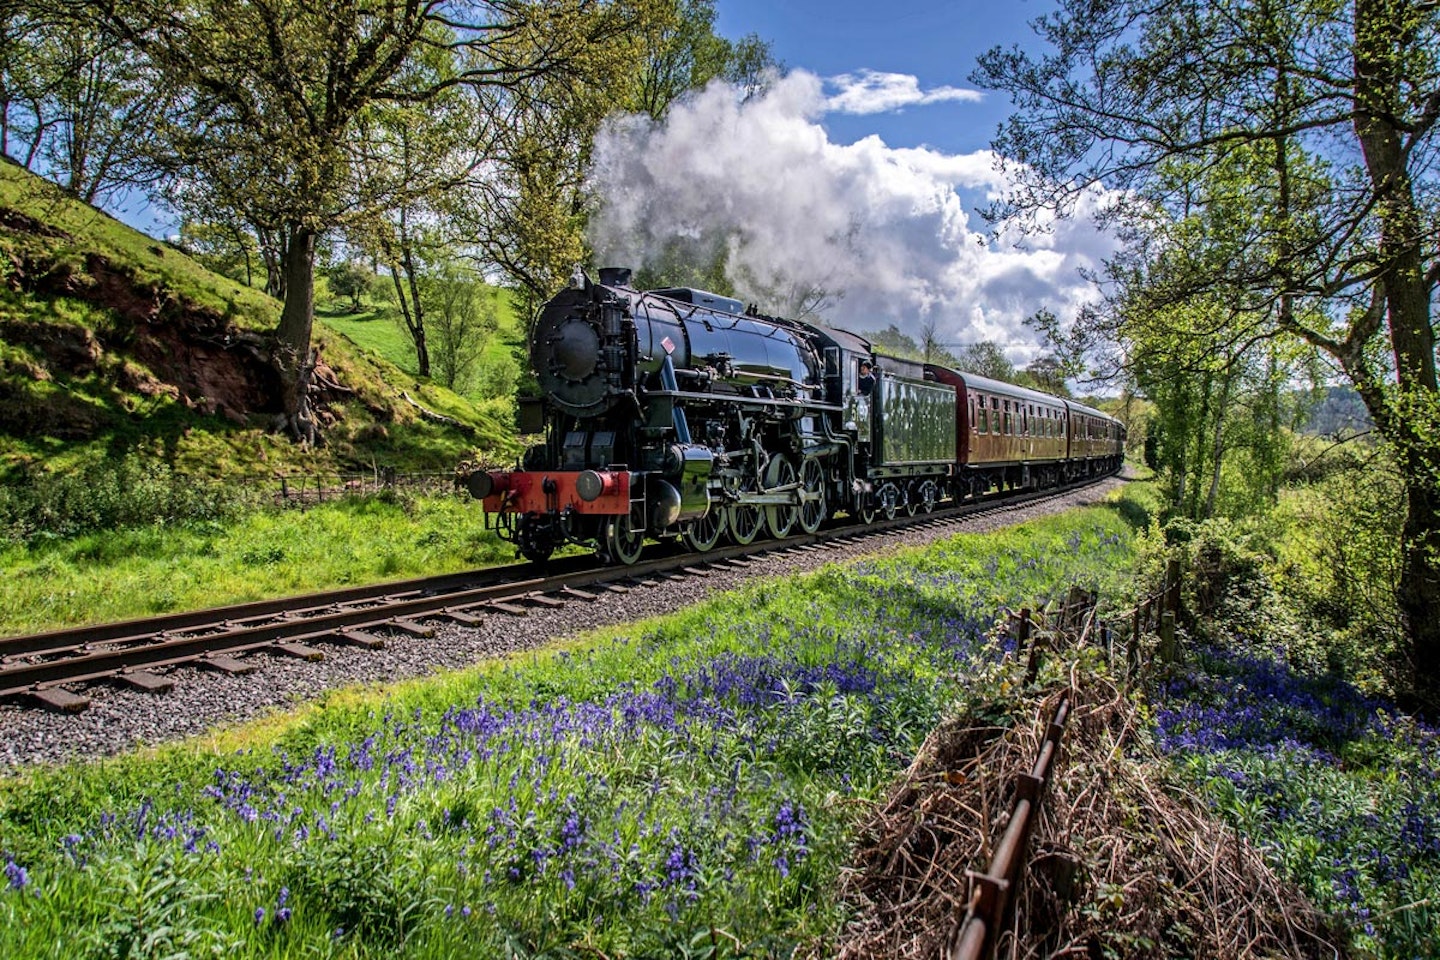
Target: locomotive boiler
(679, 414)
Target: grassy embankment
(85, 303)
(121, 496)
(686, 785)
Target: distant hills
(1339, 411)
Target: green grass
(377, 333)
(57, 415)
(373, 332)
(91, 231)
(122, 574)
(686, 786)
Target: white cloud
(884, 231)
(871, 91)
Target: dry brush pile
(1122, 861)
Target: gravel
(120, 719)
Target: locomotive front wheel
(534, 540)
(812, 484)
(622, 543)
(780, 520)
(702, 534)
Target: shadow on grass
(1135, 514)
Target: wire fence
(303, 490)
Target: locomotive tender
(678, 413)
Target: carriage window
(982, 423)
(1009, 428)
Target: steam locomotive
(678, 413)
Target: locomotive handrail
(737, 398)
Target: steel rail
(42, 662)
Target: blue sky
(858, 175)
(934, 41)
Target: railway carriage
(678, 414)
(1010, 436)
(1097, 442)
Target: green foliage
(1334, 786)
(111, 496)
(534, 229)
(350, 280)
(1252, 246)
(1313, 578)
(461, 318)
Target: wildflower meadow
(1339, 789)
(682, 787)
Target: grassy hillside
(113, 345)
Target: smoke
(877, 235)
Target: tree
(985, 359)
(463, 317)
(1048, 373)
(273, 94)
(528, 214)
(350, 280)
(75, 105)
(226, 248)
(1146, 111)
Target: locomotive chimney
(614, 276)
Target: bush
(111, 496)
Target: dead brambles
(1122, 863)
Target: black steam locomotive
(678, 413)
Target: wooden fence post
(1172, 586)
(1168, 651)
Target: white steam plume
(882, 231)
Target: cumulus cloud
(883, 232)
(870, 91)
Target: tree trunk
(292, 354)
(1380, 26)
(422, 349)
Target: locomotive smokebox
(579, 351)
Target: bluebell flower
(16, 875)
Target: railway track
(43, 668)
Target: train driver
(866, 384)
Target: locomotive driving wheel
(703, 533)
(742, 521)
(813, 509)
(780, 520)
(623, 542)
